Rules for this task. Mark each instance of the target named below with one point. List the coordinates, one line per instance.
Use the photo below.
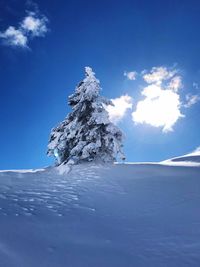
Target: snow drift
(191, 159)
(96, 215)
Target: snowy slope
(191, 159)
(101, 216)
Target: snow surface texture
(100, 216)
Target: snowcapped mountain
(100, 215)
(191, 159)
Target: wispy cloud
(158, 75)
(161, 106)
(32, 25)
(131, 75)
(195, 85)
(119, 108)
(175, 83)
(14, 37)
(35, 24)
(191, 100)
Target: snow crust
(98, 215)
(23, 171)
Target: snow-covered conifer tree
(86, 134)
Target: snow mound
(191, 159)
(100, 215)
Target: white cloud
(131, 75)
(191, 100)
(14, 37)
(161, 104)
(33, 25)
(119, 108)
(175, 83)
(158, 74)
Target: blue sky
(45, 46)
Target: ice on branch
(86, 134)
